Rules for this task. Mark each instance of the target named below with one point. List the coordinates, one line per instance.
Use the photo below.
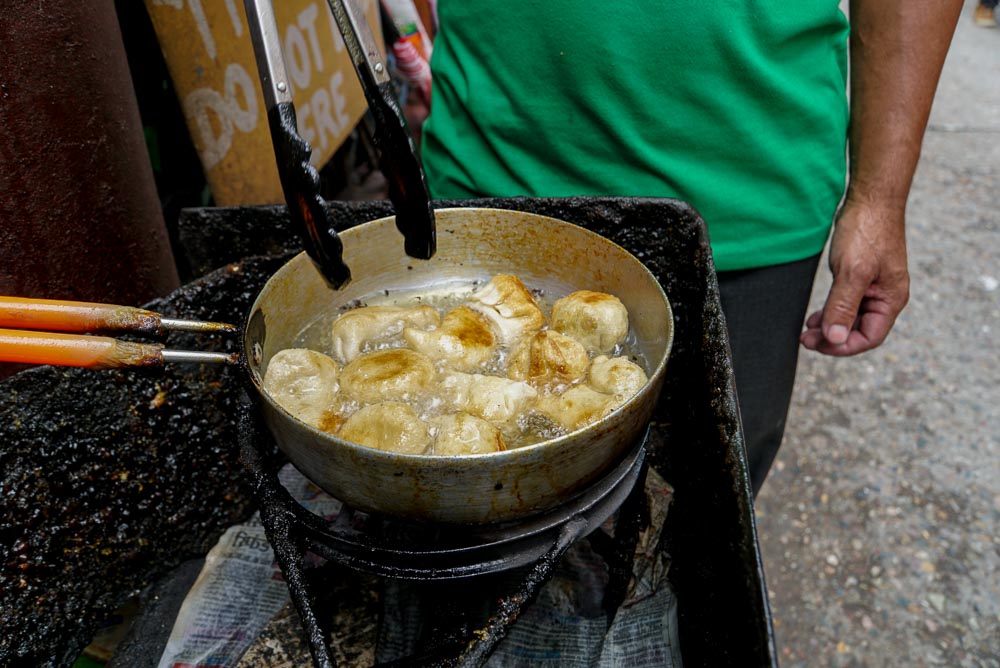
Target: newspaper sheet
(239, 590)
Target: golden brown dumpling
(577, 407)
(597, 320)
(497, 400)
(464, 341)
(616, 375)
(304, 383)
(465, 434)
(355, 328)
(386, 375)
(548, 358)
(509, 307)
(387, 426)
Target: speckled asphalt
(880, 523)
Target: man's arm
(897, 51)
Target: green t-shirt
(738, 108)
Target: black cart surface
(112, 479)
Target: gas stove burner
(400, 549)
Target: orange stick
(64, 316)
(92, 352)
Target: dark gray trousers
(765, 310)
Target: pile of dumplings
(487, 373)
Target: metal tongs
(299, 179)
(46, 331)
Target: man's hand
(897, 50)
(871, 284)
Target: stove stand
(400, 549)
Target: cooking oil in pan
(528, 429)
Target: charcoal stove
(402, 549)
(183, 464)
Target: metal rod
(397, 152)
(360, 41)
(178, 325)
(267, 50)
(199, 357)
(486, 639)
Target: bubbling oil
(527, 429)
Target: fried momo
(496, 400)
(464, 341)
(358, 327)
(548, 358)
(597, 320)
(577, 407)
(387, 426)
(386, 375)
(465, 434)
(509, 307)
(304, 383)
(616, 375)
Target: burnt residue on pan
(108, 479)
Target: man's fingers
(870, 281)
(874, 326)
(842, 305)
(869, 331)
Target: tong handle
(299, 179)
(398, 159)
(300, 185)
(68, 316)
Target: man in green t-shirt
(738, 108)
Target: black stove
(407, 550)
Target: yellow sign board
(207, 47)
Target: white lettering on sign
(297, 56)
(325, 116)
(216, 115)
(201, 21)
(235, 18)
(244, 118)
(206, 104)
(307, 21)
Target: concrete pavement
(880, 523)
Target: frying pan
(473, 245)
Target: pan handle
(299, 179)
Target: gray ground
(880, 523)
